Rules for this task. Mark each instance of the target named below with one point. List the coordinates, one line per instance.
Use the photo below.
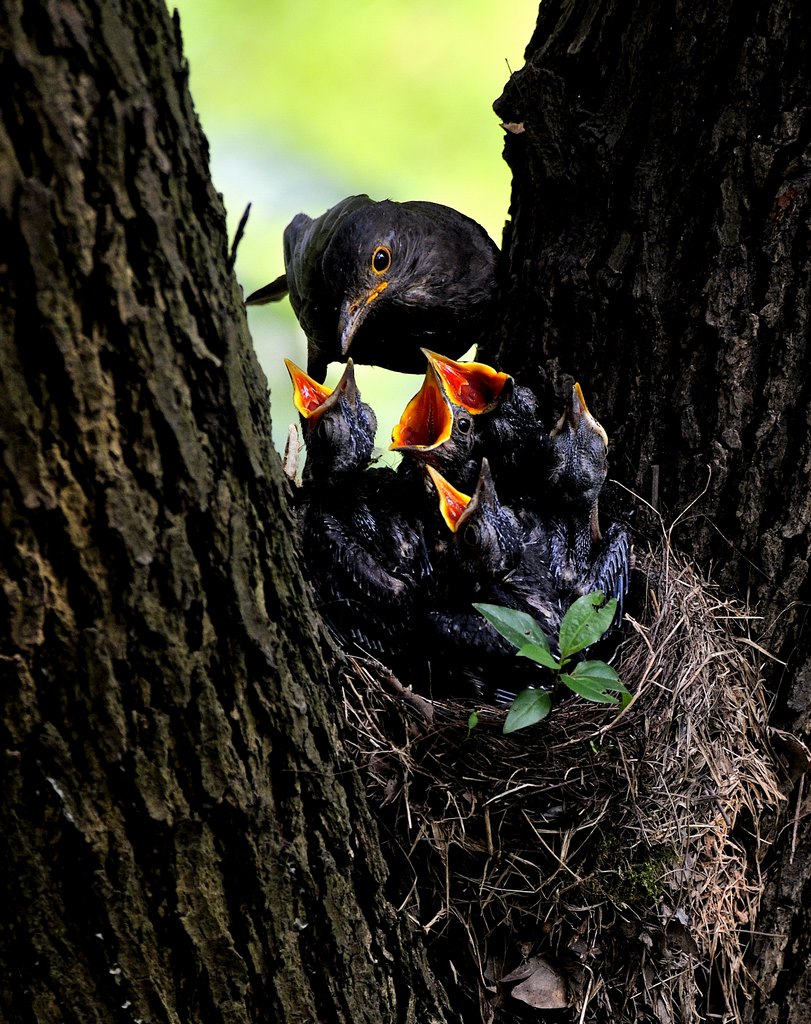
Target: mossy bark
(182, 838)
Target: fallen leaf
(540, 985)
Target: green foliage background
(306, 103)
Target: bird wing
(610, 568)
(354, 568)
(295, 240)
(270, 293)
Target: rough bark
(182, 839)
(659, 251)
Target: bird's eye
(381, 259)
(471, 536)
(463, 424)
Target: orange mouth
(427, 419)
(475, 386)
(452, 503)
(308, 394)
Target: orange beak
(452, 503)
(353, 313)
(427, 420)
(477, 387)
(308, 394)
(576, 411)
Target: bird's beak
(452, 503)
(485, 488)
(485, 494)
(308, 395)
(476, 387)
(577, 412)
(591, 423)
(353, 313)
(427, 420)
(346, 389)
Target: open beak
(477, 387)
(313, 399)
(427, 420)
(308, 395)
(452, 503)
(353, 313)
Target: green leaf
(529, 707)
(589, 690)
(598, 670)
(517, 627)
(596, 681)
(585, 622)
(473, 720)
(540, 654)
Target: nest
(605, 866)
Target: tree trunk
(659, 252)
(182, 838)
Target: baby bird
(363, 554)
(491, 563)
(582, 559)
(339, 429)
(433, 431)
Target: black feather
(439, 290)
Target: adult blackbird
(384, 278)
(582, 558)
(364, 556)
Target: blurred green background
(303, 105)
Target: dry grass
(623, 851)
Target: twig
(232, 256)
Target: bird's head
(412, 256)
(486, 533)
(579, 448)
(433, 430)
(365, 263)
(339, 429)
